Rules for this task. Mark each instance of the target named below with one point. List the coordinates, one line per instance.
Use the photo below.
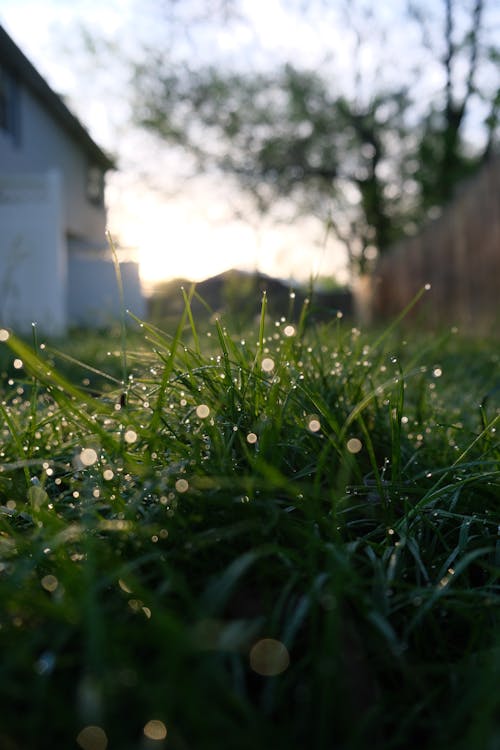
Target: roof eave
(15, 59)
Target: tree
(444, 155)
(370, 159)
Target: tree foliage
(371, 159)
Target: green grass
(285, 541)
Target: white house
(55, 266)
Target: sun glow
(179, 238)
(193, 249)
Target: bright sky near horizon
(191, 233)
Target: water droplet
(267, 364)
(49, 583)
(354, 445)
(155, 730)
(18, 363)
(269, 657)
(314, 425)
(202, 411)
(4, 334)
(92, 738)
(108, 474)
(289, 331)
(130, 436)
(88, 456)
(182, 485)
(251, 438)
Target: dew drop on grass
(155, 730)
(267, 364)
(92, 738)
(18, 363)
(130, 436)
(107, 474)
(251, 438)
(88, 456)
(49, 583)
(202, 411)
(354, 445)
(269, 657)
(182, 485)
(123, 586)
(314, 425)
(289, 331)
(4, 334)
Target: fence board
(458, 254)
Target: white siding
(32, 253)
(54, 268)
(43, 145)
(93, 298)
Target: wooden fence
(458, 254)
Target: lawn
(285, 540)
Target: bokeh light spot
(88, 456)
(130, 436)
(314, 425)
(267, 364)
(155, 730)
(92, 738)
(354, 445)
(49, 583)
(182, 485)
(269, 657)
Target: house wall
(32, 253)
(41, 145)
(93, 297)
(458, 254)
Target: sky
(185, 229)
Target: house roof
(12, 57)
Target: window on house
(95, 185)
(9, 105)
